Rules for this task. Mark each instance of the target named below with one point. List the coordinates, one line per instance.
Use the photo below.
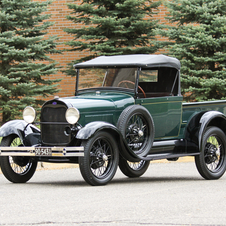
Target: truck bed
(192, 108)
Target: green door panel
(166, 113)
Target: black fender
(93, 127)
(197, 126)
(211, 118)
(20, 128)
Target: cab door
(159, 92)
(166, 113)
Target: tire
(17, 169)
(100, 161)
(211, 163)
(133, 169)
(137, 128)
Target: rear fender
(197, 126)
(20, 128)
(211, 118)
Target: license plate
(43, 151)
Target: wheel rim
(137, 133)
(101, 158)
(18, 169)
(214, 153)
(19, 165)
(136, 165)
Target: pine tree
(24, 56)
(199, 41)
(113, 27)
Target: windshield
(111, 77)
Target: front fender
(91, 128)
(18, 127)
(211, 118)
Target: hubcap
(104, 157)
(210, 153)
(101, 158)
(213, 156)
(136, 133)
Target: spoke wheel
(211, 163)
(100, 161)
(16, 169)
(133, 169)
(137, 128)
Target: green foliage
(199, 41)
(24, 62)
(112, 27)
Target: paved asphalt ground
(169, 194)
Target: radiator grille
(53, 125)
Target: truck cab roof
(136, 60)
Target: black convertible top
(136, 60)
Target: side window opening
(158, 82)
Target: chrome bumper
(42, 151)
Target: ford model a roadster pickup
(133, 114)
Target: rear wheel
(211, 163)
(133, 169)
(100, 161)
(17, 169)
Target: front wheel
(100, 161)
(133, 169)
(211, 163)
(17, 169)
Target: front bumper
(42, 151)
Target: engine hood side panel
(104, 107)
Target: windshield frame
(95, 89)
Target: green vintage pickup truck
(131, 113)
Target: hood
(98, 106)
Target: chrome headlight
(72, 115)
(29, 114)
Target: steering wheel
(127, 81)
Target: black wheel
(15, 168)
(133, 169)
(100, 161)
(211, 163)
(137, 128)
